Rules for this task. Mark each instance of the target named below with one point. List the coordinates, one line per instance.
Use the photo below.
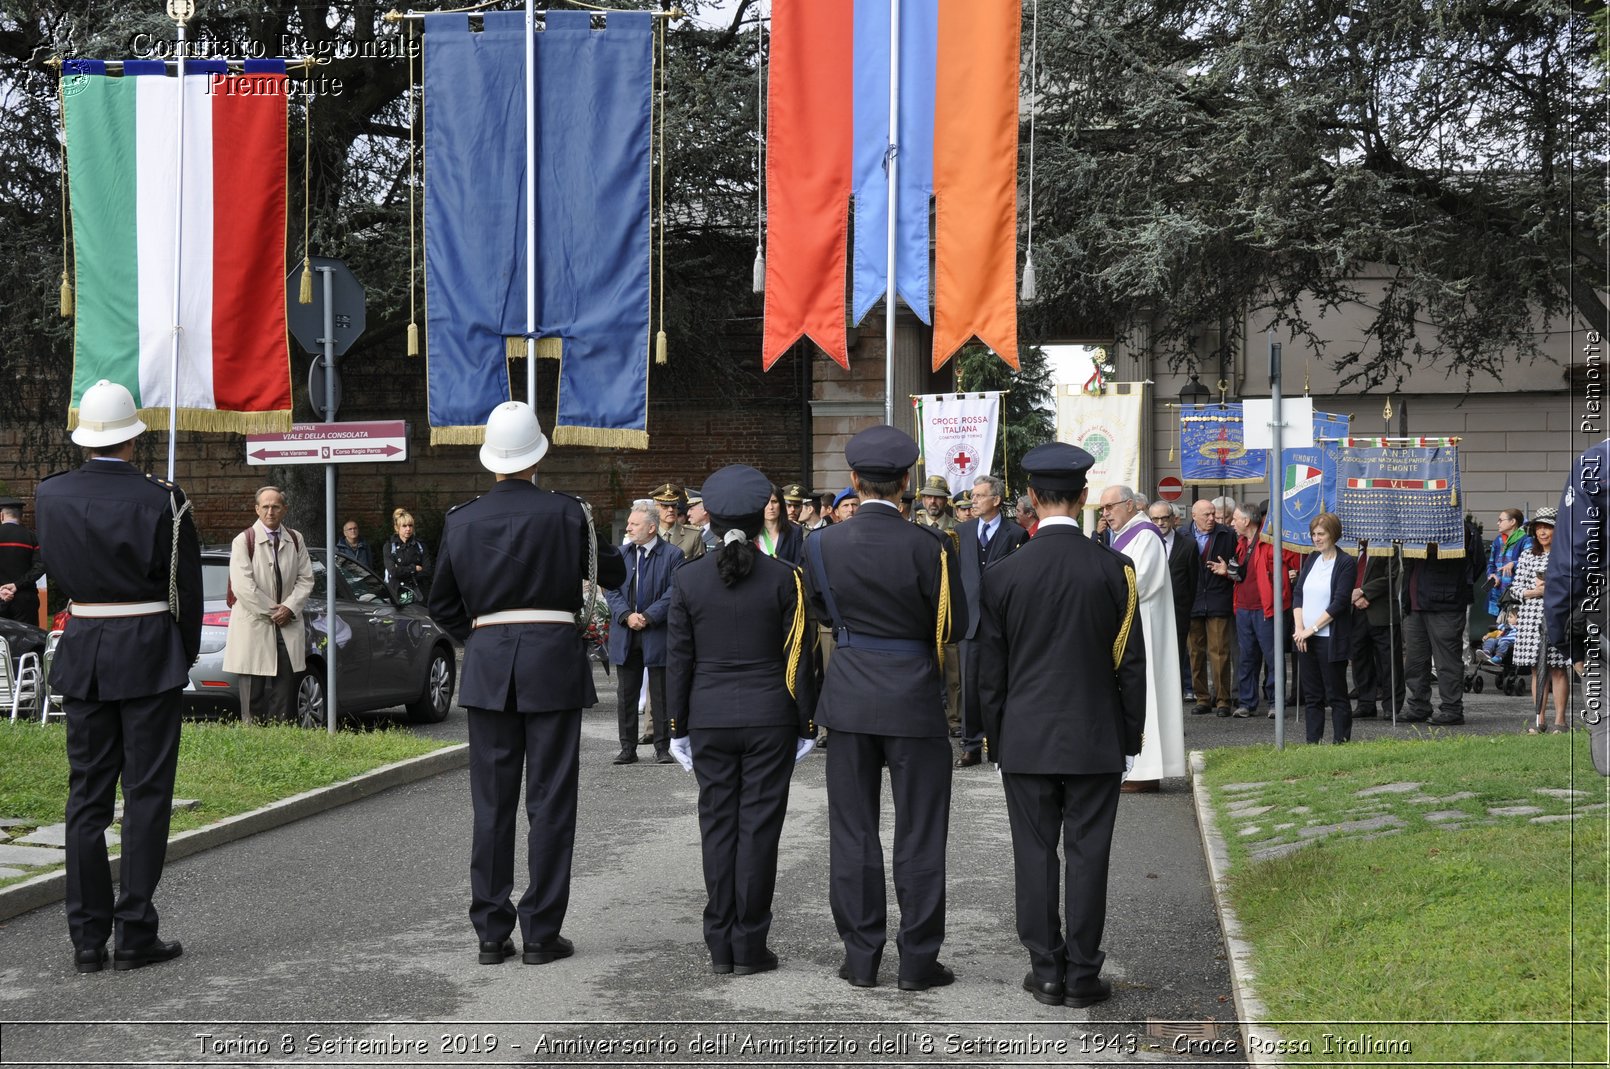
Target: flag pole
(893, 159)
(180, 12)
(531, 204)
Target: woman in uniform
(741, 697)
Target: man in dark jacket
(508, 585)
(20, 565)
(1437, 592)
(1212, 612)
(1378, 637)
(637, 614)
(1064, 709)
(1184, 572)
(981, 541)
(121, 544)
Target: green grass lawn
(228, 769)
(1474, 938)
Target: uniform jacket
(885, 574)
(653, 596)
(1008, 536)
(1577, 559)
(1214, 594)
(1444, 584)
(729, 649)
(687, 539)
(20, 563)
(518, 547)
(1185, 572)
(1343, 578)
(1062, 700)
(1376, 577)
(791, 543)
(250, 647)
(106, 532)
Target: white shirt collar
(1058, 521)
(879, 501)
(646, 546)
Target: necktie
(983, 539)
(279, 579)
(637, 568)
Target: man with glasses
(981, 541)
(1184, 571)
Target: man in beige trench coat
(271, 576)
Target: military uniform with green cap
(683, 536)
(891, 591)
(20, 565)
(934, 487)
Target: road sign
(1170, 488)
(347, 306)
(331, 443)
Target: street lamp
(1193, 392)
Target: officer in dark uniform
(892, 593)
(122, 546)
(741, 697)
(20, 565)
(1576, 609)
(1062, 686)
(508, 586)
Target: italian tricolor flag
(123, 168)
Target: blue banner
(1213, 446)
(1401, 490)
(1308, 481)
(593, 92)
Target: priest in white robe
(1162, 751)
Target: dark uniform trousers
(743, 775)
(1080, 812)
(628, 687)
(274, 697)
(137, 739)
(1438, 636)
(547, 748)
(919, 776)
(1378, 665)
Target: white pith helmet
(106, 416)
(514, 439)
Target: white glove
(1129, 766)
(682, 750)
(802, 749)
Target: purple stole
(1129, 533)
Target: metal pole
(1278, 577)
(530, 204)
(894, 205)
(1395, 591)
(180, 12)
(329, 500)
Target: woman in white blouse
(1322, 621)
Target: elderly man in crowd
(638, 611)
(1211, 613)
(271, 576)
(1184, 573)
(981, 542)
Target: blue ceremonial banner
(1401, 490)
(1213, 446)
(593, 92)
(474, 216)
(1308, 481)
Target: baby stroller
(1494, 654)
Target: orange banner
(808, 176)
(975, 177)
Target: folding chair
(49, 702)
(19, 685)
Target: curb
(1258, 1040)
(51, 887)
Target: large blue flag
(1308, 481)
(1401, 490)
(1213, 446)
(592, 219)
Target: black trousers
(1080, 812)
(628, 686)
(1439, 636)
(919, 775)
(547, 748)
(274, 697)
(1378, 665)
(1324, 682)
(972, 714)
(743, 776)
(136, 740)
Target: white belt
(523, 616)
(112, 610)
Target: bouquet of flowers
(595, 627)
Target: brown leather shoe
(969, 758)
(1140, 786)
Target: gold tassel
(600, 437)
(66, 296)
(413, 339)
(661, 343)
(305, 294)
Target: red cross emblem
(963, 461)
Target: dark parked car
(388, 654)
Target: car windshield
(215, 579)
(366, 587)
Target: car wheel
(437, 698)
(310, 697)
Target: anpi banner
(1107, 426)
(958, 435)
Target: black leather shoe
(1045, 992)
(854, 980)
(155, 954)
(1222, 711)
(89, 959)
(1446, 721)
(542, 953)
(767, 963)
(493, 952)
(1088, 995)
(1365, 712)
(646, 738)
(969, 758)
(937, 976)
(1200, 710)
(1411, 718)
(721, 968)
(626, 757)
(664, 759)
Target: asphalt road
(351, 927)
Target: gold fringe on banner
(547, 348)
(602, 437)
(208, 419)
(1421, 552)
(457, 435)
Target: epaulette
(53, 474)
(461, 504)
(165, 484)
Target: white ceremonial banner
(959, 432)
(1107, 426)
